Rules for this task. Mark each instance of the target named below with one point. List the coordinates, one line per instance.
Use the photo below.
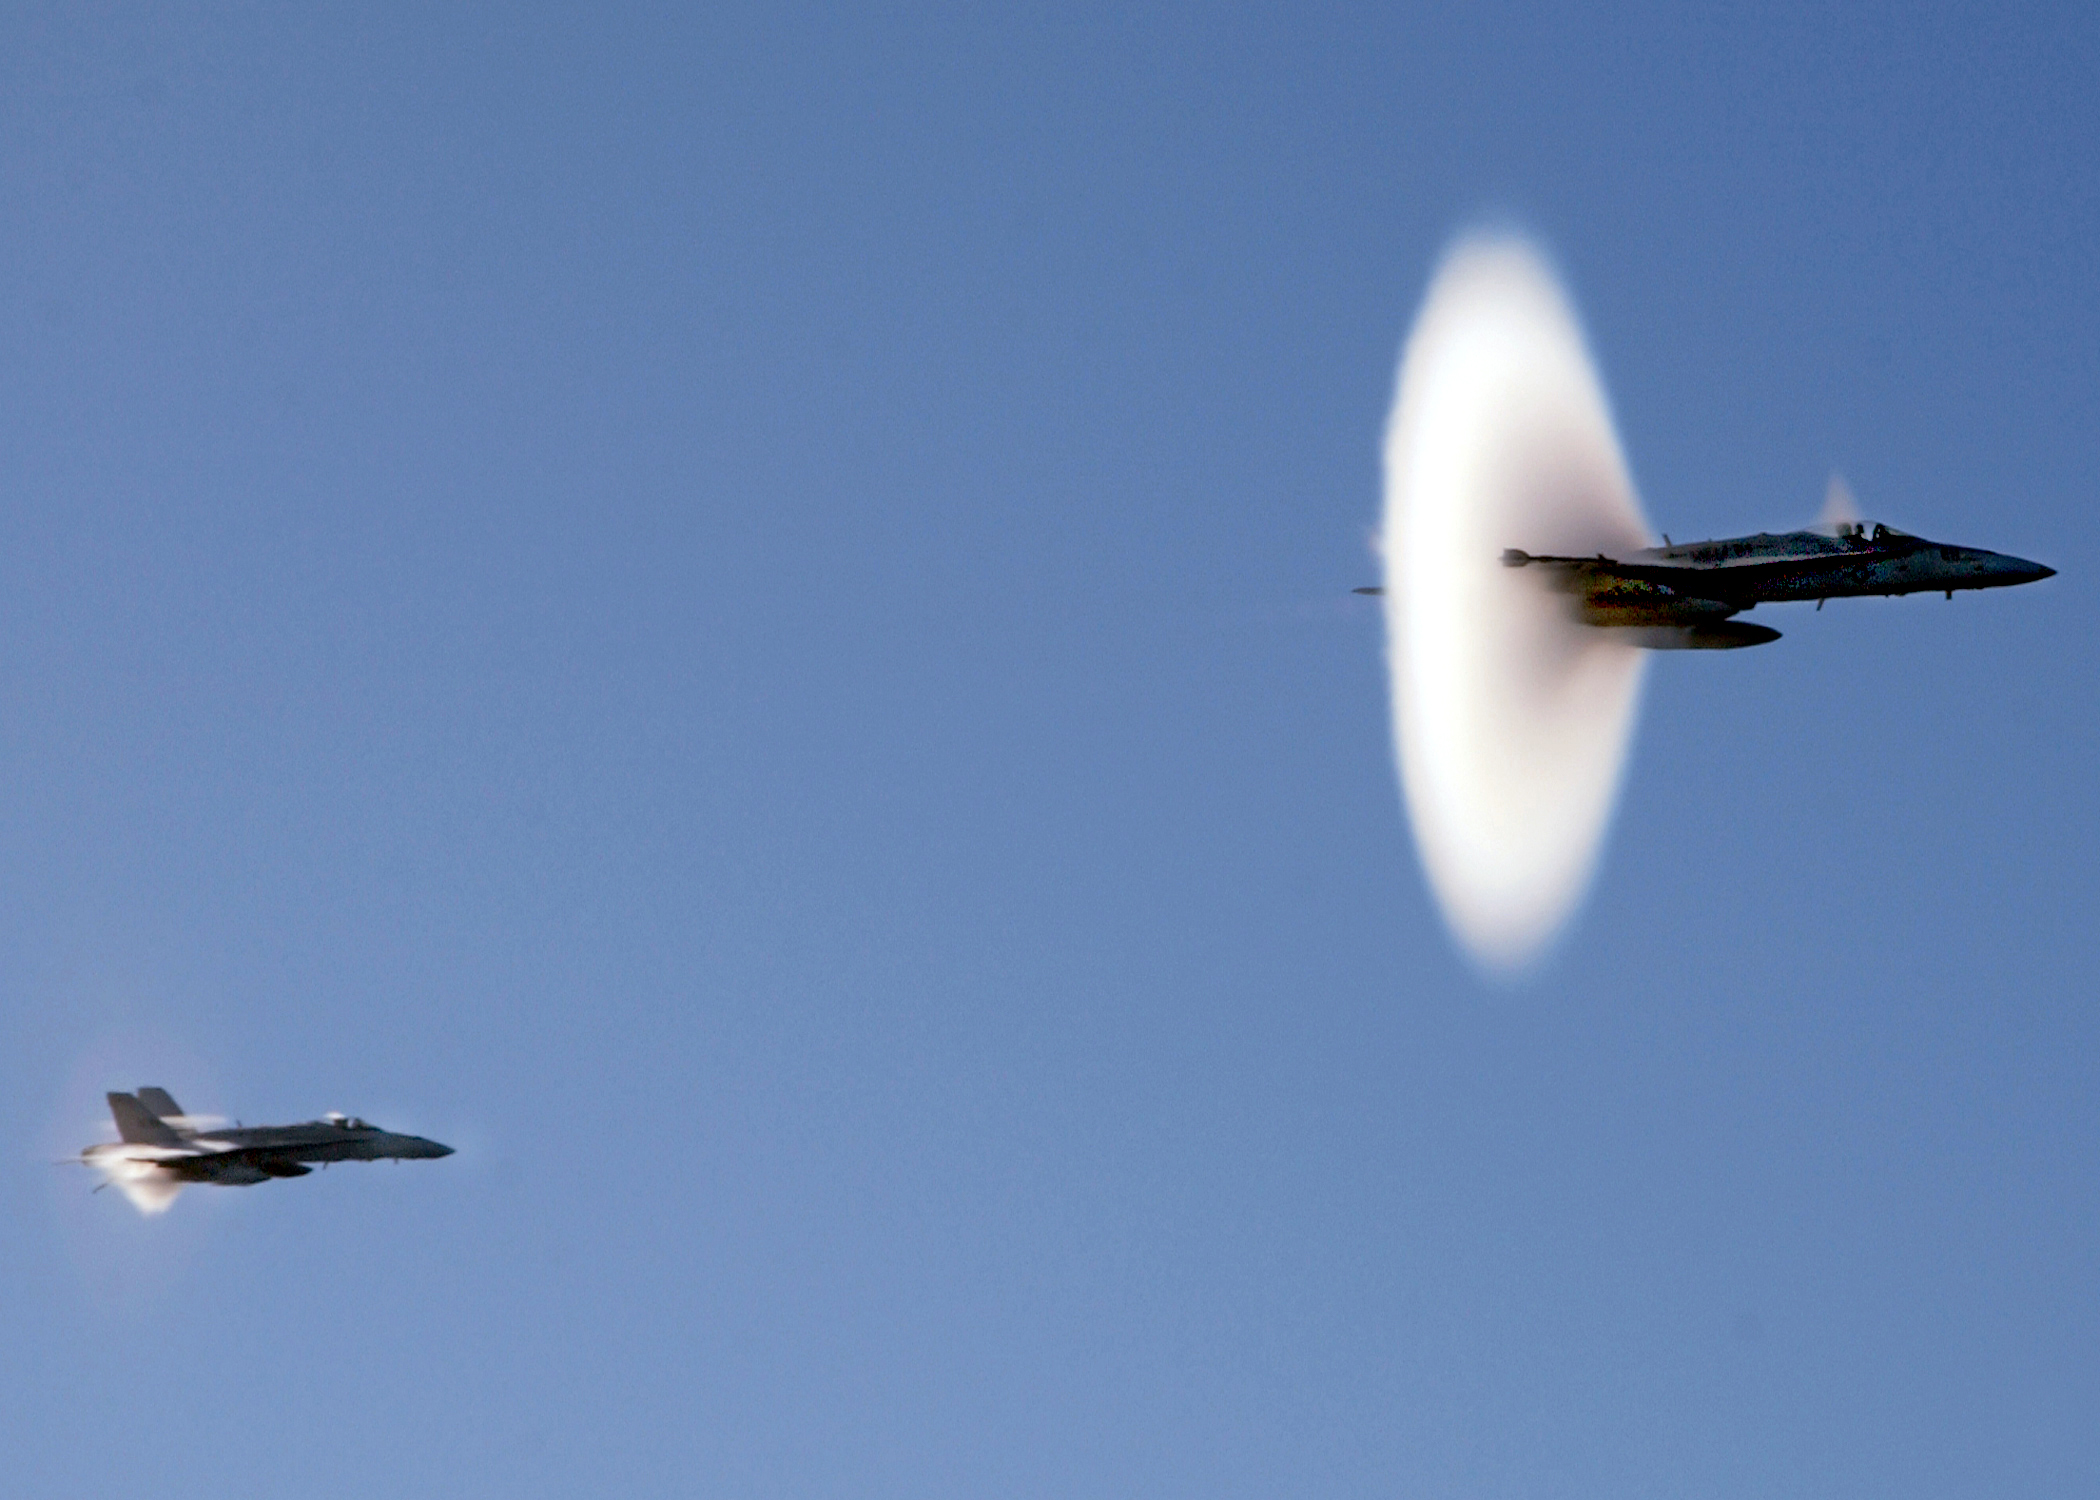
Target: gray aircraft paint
(161, 1150)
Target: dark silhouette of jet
(1684, 597)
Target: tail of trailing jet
(161, 1103)
(135, 1165)
(139, 1125)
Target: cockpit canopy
(1868, 531)
(347, 1122)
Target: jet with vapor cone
(162, 1150)
(1679, 598)
(1515, 688)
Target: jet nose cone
(2001, 570)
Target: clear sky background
(743, 614)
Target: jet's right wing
(139, 1125)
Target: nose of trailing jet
(2020, 570)
(414, 1146)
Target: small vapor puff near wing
(151, 1190)
(140, 1172)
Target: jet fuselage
(161, 1149)
(279, 1150)
(1684, 596)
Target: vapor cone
(150, 1189)
(1511, 719)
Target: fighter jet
(1682, 597)
(162, 1150)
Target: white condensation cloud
(151, 1190)
(1511, 720)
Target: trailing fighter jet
(1681, 597)
(162, 1150)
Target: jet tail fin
(138, 1124)
(160, 1102)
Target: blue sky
(745, 616)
